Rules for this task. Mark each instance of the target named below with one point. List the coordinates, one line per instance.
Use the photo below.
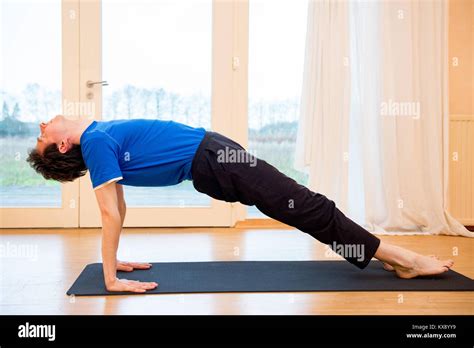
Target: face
(52, 132)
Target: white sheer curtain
(373, 131)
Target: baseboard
(271, 223)
(262, 223)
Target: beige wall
(461, 45)
(461, 109)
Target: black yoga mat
(268, 276)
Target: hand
(130, 266)
(130, 285)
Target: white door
(162, 60)
(39, 76)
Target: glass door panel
(30, 92)
(164, 60)
(38, 74)
(277, 31)
(157, 59)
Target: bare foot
(423, 266)
(408, 264)
(388, 267)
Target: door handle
(91, 84)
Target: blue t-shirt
(139, 152)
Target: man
(161, 153)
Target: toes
(449, 263)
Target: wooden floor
(36, 281)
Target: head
(55, 156)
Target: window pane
(157, 58)
(276, 56)
(30, 92)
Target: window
(30, 92)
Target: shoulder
(97, 137)
(98, 144)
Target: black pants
(223, 170)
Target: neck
(76, 128)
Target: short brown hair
(58, 166)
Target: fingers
(134, 289)
(146, 285)
(141, 285)
(140, 265)
(124, 268)
(130, 266)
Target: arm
(107, 199)
(122, 208)
(111, 227)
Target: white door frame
(229, 102)
(68, 214)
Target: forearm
(123, 212)
(122, 206)
(111, 228)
